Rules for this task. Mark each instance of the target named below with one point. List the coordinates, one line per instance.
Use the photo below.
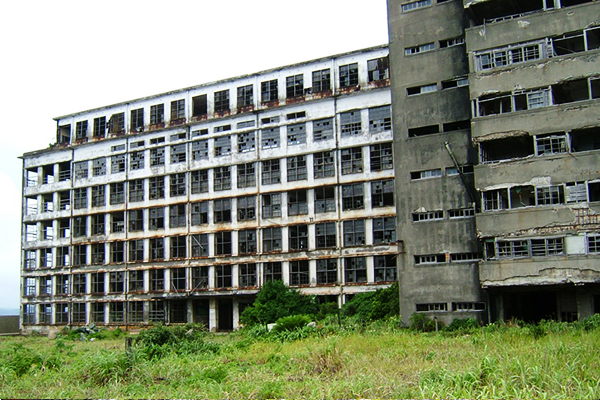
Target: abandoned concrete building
(496, 109)
(479, 190)
(177, 207)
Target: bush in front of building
(276, 300)
(374, 306)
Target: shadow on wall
(9, 324)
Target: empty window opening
(178, 247)
(296, 168)
(506, 149)
(298, 237)
(222, 210)
(321, 81)
(294, 86)
(456, 82)
(199, 105)
(354, 233)
(428, 307)
(427, 216)
(348, 75)
(268, 91)
(585, 139)
(200, 249)
(355, 270)
(177, 216)
(299, 273)
(271, 205)
(421, 89)
(246, 208)
(327, 271)
(247, 241)
(199, 213)
(116, 123)
(382, 193)
(423, 130)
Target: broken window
(28, 313)
(297, 203)
(296, 168)
(521, 196)
(222, 101)
(157, 114)
(79, 283)
(321, 80)
(512, 54)
(525, 248)
(247, 275)
(98, 224)
(222, 146)
(177, 110)
(324, 164)
(30, 286)
(245, 96)
(136, 251)
(177, 216)
(178, 247)
(178, 152)
(551, 144)
(379, 69)
(246, 175)
(353, 197)
(64, 200)
(199, 245)
(268, 91)
(178, 279)
(199, 105)
(97, 280)
(177, 185)
(81, 128)
(157, 187)
(325, 235)
(456, 41)
(455, 82)
(350, 123)
(593, 243)
(385, 268)
(117, 164)
(247, 241)
(299, 273)
(571, 91)
(325, 199)
(199, 213)
(137, 120)
(355, 270)
(382, 193)
(80, 170)
(422, 48)
(381, 157)
(354, 233)
(157, 280)
(348, 75)
(384, 230)
(427, 216)
(223, 243)
(116, 282)
(271, 205)
(117, 193)
(30, 261)
(223, 277)
(45, 315)
(380, 119)
(117, 222)
(352, 162)
(322, 129)
(495, 200)
(272, 239)
(136, 220)
(430, 173)
(423, 130)
(79, 255)
(200, 150)
(461, 213)
(585, 139)
(79, 198)
(506, 148)
(425, 307)
(99, 127)
(246, 142)
(157, 156)
(272, 271)
(270, 138)
(45, 285)
(136, 190)
(430, 259)
(575, 42)
(271, 172)
(135, 312)
(550, 195)
(246, 208)
(294, 86)
(199, 181)
(116, 123)
(327, 271)
(222, 210)
(222, 178)
(296, 134)
(411, 91)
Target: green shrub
(326, 309)
(276, 300)
(463, 325)
(290, 323)
(421, 323)
(373, 306)
(590, 323)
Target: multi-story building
(178, 207)
(497, 143)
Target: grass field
(549, 360)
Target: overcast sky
(60, 57)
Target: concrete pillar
(213, 315)
(190, 311)
(236, 314)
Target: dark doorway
(178, 312)
(225, 307)
(201, 312)
(530, 306)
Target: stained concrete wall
(9, 324)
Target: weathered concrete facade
(533, 86)
(179, 206)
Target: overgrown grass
(380, 360)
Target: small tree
(276, 300)
(372, 306)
